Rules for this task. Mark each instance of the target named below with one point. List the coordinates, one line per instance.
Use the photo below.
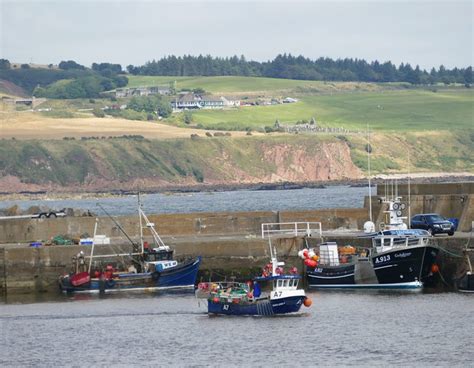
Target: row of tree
(89, 82)
(69, 80)
(298, 67)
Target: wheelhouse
(290, 284)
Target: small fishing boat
(399, 258)
(147, 267)
(248, 299)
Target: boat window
(292, 282)
(279, 283)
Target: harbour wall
(460, 206)
(33, 270)
(429, 188)
(209, 223)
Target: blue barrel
(36, 244)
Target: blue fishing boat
(248, 298)
(148, 268)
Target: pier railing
(291, 229)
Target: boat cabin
(158, 254)
(388, 239)
(287, 284)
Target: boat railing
(275, 229)
(397, 241)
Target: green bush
(98, 113)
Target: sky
(421, 32)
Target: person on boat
(109, 272)
(132, 269)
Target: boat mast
(273, 256)
(93, 244)
(369, 149)
(409, 192)
(140, 221)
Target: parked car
(433, 223)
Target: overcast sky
(428, 33)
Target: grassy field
(29, 125)
(252, 85)
(414, 110)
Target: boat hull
(466, 283)
(263, 307)
(182, 276)
(405, 268)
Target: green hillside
(231, 84)
(120, 162)
(414, 110)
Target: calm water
(244, 200)
(340, 329)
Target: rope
(451, 253)
(442, 279)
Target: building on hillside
(212, 102)
(228, 102)
(141, 91)
(186, 101)
(194, 101)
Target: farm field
(414, 110)
(252, 85)
(26, 125)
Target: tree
(4, 64)
(25, 66)
(98, 113)
(70, 64)
(468, 75)
(188, 117)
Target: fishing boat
(399, 258)
(148, 267)
(248, 299)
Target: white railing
(291, 229)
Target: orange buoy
(307, 302)
(215, 299)
(435, 268)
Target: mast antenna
(369, 149)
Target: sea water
(338, 196)
(341, 328)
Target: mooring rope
(450, 253)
